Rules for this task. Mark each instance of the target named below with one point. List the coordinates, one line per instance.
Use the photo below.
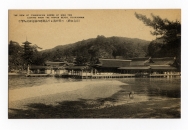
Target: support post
(86, 74)
(28, 70)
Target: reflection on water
(168, 87)
(23, 81)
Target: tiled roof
(139, 59)
(138, 62)
(135, 68)
(160, 67)
(163, 68)
(114, 62)
(26, 42)
(46, 67)
(57, 64)
(38, 67)
(161, 61)
(50, 62)
(77, 67)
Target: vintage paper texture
(51, 97)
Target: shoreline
(50, 94)
(93, 99)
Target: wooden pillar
(91, 71)
(167, 74)
(86, 73)
(171, 74)
(28, 70)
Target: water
(165, 87)
(23, 81)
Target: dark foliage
(168, 37)
(81, 52)
(19, 57)
(100, 47)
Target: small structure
(161, 61)
(26, 46)
(163, 71)
(110, 65)
(139, 71)
(139, 61)
(163, 67)
(39, 71)
(139, 67)
(58, 68)
(56, 64)
(78, 72)
(110, 68)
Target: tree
(169, 32)
(31, 55)
(15, 56)
(14, 48)
(81, 60)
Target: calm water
(168, 87)
(22, 81)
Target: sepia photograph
(94, 64)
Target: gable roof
(135, 68)
(26, 42)
(161, 61)
(56, 63)
(154, 67)
(139, 59)
(113, 63)
(77, 67)
(160, 67)
(38, 67)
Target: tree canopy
(21, 56)
(168, 30)
(168, 36)
(99, 47)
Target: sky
(46, 35)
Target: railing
(151, 75)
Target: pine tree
(169, 32)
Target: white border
(87, 124)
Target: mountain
(100, 47)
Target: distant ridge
(100, 47)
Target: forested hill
(101, 47)
(167, 44)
